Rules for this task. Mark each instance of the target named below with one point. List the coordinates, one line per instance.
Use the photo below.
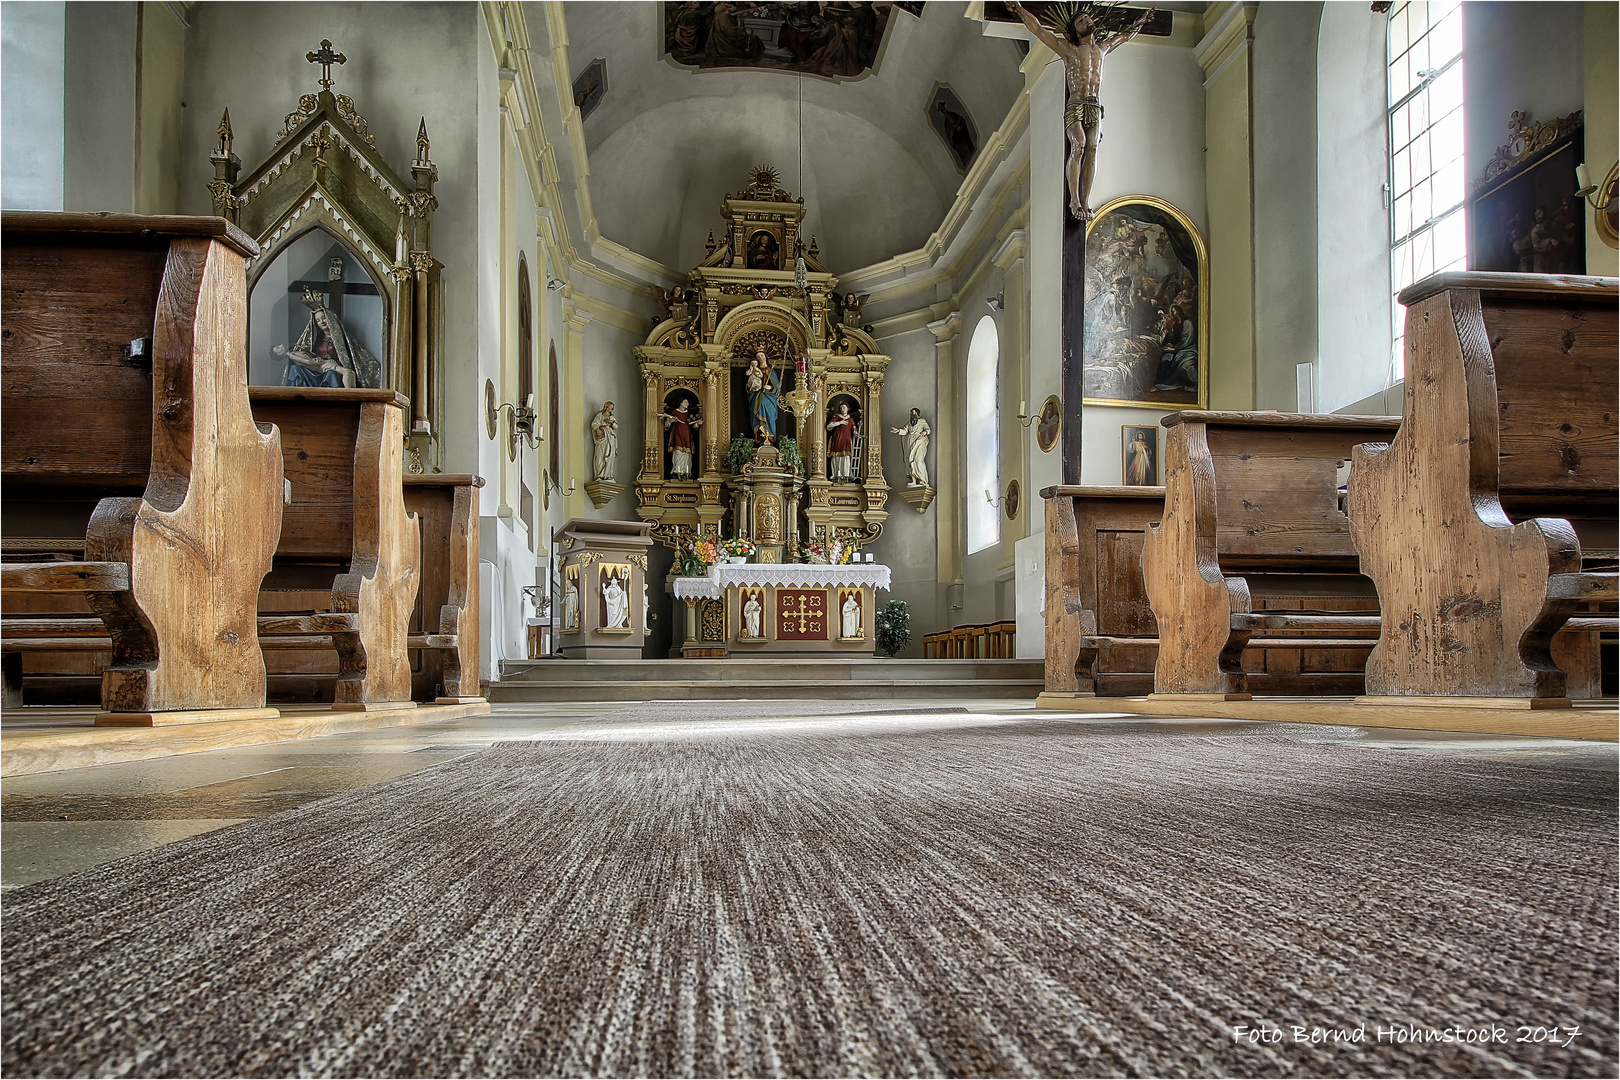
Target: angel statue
(326, 355)
(1075, 32)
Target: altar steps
(712, 680)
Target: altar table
(781, 609)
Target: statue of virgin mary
(326, 355)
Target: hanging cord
(801, 273)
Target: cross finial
(326, 58)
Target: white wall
(1352, 225)
(1517, 57)
(32, 107)
(1285, 38)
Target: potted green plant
(893, 627)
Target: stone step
(840, 679)
(763, 668)
(776, 689)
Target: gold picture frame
(1134, 355)
(1049, 423)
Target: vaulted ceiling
(667, 143)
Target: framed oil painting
(1147, 307)
(1141, 456)
(1049, 423)
(1523, 215)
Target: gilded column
(872, 469)
(652, 445)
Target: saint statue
(571, 604)
(326, 355)
(751, 612)
(850, 623)
(841, 445)
(1082, 46)
(916, 442)
(617, 602)
(682, 425)
(604, 443)
(763, 389)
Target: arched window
(525, 320)
(1428, 225)
(982, 440)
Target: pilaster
(949, 424)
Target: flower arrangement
(695, 556)
(893, 627)
(835, 551)
(738, 546)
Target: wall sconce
(997, 302)
(1023, 414)
(553, 284)
(523, 426)
(1586, 189)
(1009, 501)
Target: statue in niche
(850, 617)
(682, 425)
(326, 355)
(1083, 44)
(604, 443)
(841, 444)
(764, 385)
(751, 611)
(615, 601)
(916, 436)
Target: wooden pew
(1098, 620)
(1252, 506)
(126, 424)
(444, 624)
(1509, 414)
(1101, 637)
(348, 567)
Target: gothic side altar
(781, 609)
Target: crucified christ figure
(1082, 46)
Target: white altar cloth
(722, 576)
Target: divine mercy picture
(1147, 309)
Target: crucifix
(1082, 35)
(326, 58)
(333, 289)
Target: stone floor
(56, 823)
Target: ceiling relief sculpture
(835, 41)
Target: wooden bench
(348, 567)
(444, 624)
(1101, 637)
(131, 460)
(1509, 417)
(1252, 506)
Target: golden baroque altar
(707, 466)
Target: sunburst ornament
(765, 176)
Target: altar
(781, 609)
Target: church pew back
(125, 414)
(1508, 414)
(346, 537)
(1251, 501)
(447, 603)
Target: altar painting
(1147, 307)
(613, 597)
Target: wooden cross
(326, 58)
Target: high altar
(736, 446)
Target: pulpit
(604, 589)
(792, 609)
